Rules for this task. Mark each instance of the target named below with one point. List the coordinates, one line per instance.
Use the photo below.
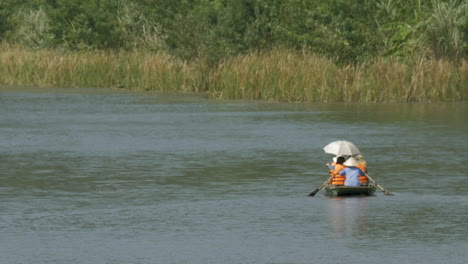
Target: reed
(277, 75)
(285, 76)
(463, 93)
(132, 70)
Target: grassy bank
(285, 76)
(131, 70)
(278, 75)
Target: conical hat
(351, 162)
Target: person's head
(359, 157)
(340, 160)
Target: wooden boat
(333, 190)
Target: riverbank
(278, 75)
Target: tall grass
(278, 75)
(132, 70)
(284, 76)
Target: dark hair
(340, 160)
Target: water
(92, 176)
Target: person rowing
(351, 172)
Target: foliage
(443, 29)
(32, 29)
(86, 24)
(434, 29)
(214, 30)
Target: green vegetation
(133, 70)
(288, 50)
(283, 76)
(278, 75)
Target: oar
(380, 187)
(318, 189)
(321, 186)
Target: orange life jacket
(363, 167)
(363, 179)
(338, 179)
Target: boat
(334, 190)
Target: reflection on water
(348, 215)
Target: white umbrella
(341, 148)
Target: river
(99, 176)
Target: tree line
(346, 31)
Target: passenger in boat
(337, 165)
(337, 179)
(363, 166)
(333, 164)
(352, 172)
(362, 162)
